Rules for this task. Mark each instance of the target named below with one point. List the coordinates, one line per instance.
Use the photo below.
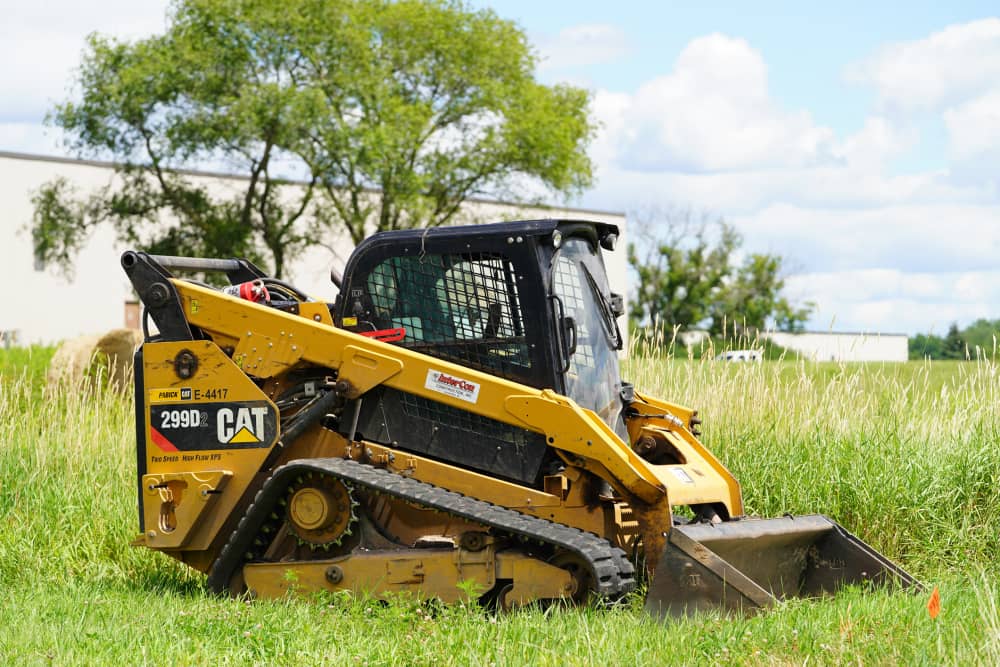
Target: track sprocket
(319, 510)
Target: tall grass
(905, 455)
(24, 363)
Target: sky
(859, 141)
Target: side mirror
(617, 305)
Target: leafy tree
(689, 276)
(982, 337)
(395, 112)
(926, 346)
(953, 346)
(751, 298)
(789, 317)
(978, 339)
(681, 270)
(428, 105)
(167, 102)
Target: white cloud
(711, 113)
(35, 73)
(974, 127)
(845, 186)
(41, 45)
(924, 238)
(582, 45)
(885, 284)
(880, 250)
(954, 73)
(892, 301)
(892, 269)
(941, 70)
(878, 140)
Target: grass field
(905, 455)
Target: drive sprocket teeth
(320, 511)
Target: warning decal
(456, 387)
(186, 427)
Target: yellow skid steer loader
(454, 423)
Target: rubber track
(613, 572)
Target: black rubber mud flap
(754, 563)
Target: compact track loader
(453, 425)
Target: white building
(41, 306)
(816, 346)
(840, 346)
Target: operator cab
(527, 301)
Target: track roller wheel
(319, 511)
(472, 540)
(582, 576)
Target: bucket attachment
(741, 565)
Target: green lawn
(25, 363)
(904, 455)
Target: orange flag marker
(934, 604)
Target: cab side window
(461, 307)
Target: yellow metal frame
(449, 575)
(267, 342)
(239, 466)
(264, 343)
(174, 503)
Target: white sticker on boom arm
(443, 383)
(681, 475)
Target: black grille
(451, 434)
(481, 427)
(460, 307)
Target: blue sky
(859, 140)
(808, 48)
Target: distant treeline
(979, 339)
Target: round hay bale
(99, 359)
(118, 347)
(71, 359)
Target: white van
(741, 355)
